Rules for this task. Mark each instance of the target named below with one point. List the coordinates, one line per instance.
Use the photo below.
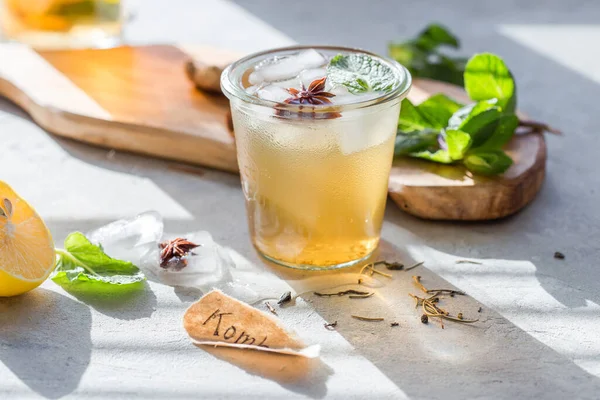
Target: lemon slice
(26, 248)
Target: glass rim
(231, 87)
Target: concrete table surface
(539, 331)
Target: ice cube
(273, 93)
(288, 83)
(255, 78)
(287, 67)
(130, 239)
(359, 134)
(343, 96)
(340, 90)
(307, 76)
(252, 89)
(207, 266)
(310, 59)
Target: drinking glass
(48, 24)
(314, 178)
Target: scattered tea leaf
(468, 262)
(415, 265)
(285, 298)
(331, 326)
(362, 296)
(370, 319)
(559, 255)
(342, 293)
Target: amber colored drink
(62, 23)
(315, 184)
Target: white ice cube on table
(130, 239)
(287, 67)
(273, 93)
(207, 266)
(307, 76)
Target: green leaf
(482, 126)
(461, 115)
(415, 141)
(479, 120)
(488, 162)
(440, 156)
(411, 119)
(435, 35)
(487, 77)
(360, 73)
(458, 143)
(433, 113)
(86, 265)
(504, 131)
(438, 109)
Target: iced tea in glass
(51, 24)
(314, 164)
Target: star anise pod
(315, 94)
(174, 250)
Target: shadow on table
(45, 341)
(298, 374)
(124, 303)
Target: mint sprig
(426, 55)
(429, 55)
(84, 266)
(445, 131)
(360, 73)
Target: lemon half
(27, 254)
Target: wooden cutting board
(139, 99)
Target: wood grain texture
(147, 104)
(139, 99)
(442, 192)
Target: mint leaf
(435, 35)
(423, 58)
(504, 131)
(461, 115)
(407, 143)
(438, 109)
(487, 162)
(440, 156)
(458, 143)
(433, 113)
(482, 126)
(411, 119)
(360, 73)
(479, 120)
(86, 265)
(487, 77)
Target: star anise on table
(173, 251)
(314, 95)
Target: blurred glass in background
(49, 24)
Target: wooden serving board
(139, 99)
